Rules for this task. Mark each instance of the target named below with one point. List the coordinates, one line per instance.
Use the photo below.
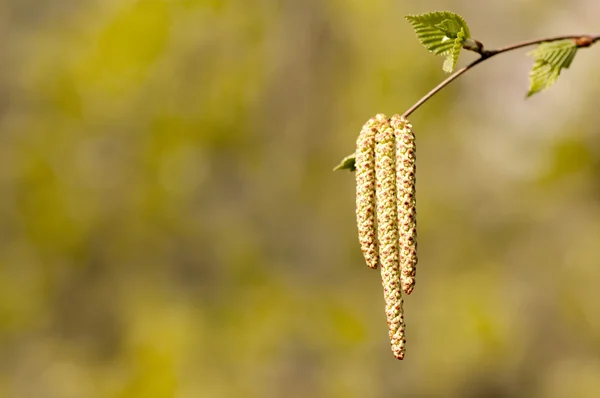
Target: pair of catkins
(386, 212)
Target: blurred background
(170, 225)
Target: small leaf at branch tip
(549, 60)
(452, 57)
(442, 33)
(348, 163)
(449, 27)
(443, 22)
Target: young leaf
(542, 76)
(348, 163)
(442, 33)
(452, 55)
(558, 53)
(549, 60)
(449, 27)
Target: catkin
(406, 202)
(388, 233)
(386, 212)
(365, 192)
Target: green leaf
(449, 27)
(558, 53)
(542, 76)
(436, 30)
(452, 56)
(442, 33)
(549, 60)
(348, 163)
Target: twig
(475, 46)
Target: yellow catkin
(365, 192)
(407, 213)
(387, 232)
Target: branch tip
(585, 41)
(476, 46)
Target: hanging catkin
(365, 192)
(407, 215)
(388, 233)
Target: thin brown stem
(581, 40)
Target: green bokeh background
(170, 225)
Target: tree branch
(475, 46)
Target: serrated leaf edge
(443, 15)
(549, 60)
